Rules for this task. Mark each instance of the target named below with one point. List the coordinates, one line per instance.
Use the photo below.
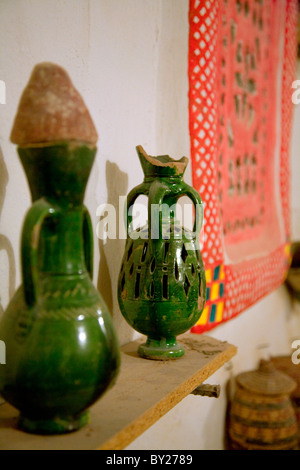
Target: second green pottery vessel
(162, 287)
(62, 352)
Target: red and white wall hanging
(242, 62)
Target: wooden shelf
(145, 391)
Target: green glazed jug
(62, 352)
(161, 286)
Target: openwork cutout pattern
(177, 273)
(242, 57)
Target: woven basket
(261, 414)
(285, 365)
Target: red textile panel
(242, 62)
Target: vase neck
(58, 173)
(162, 165)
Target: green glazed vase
(62, 352)
(161, 286)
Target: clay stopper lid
(52, 110)
(266, 380)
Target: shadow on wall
(111, 250)
(4, 241)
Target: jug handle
(140, 190)
(29, 246)
(158, 191)
(88, 241)
(195, 197)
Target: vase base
(58, 425)
(161, 350)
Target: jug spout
(162, 165)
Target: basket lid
(284, 364)
(266, 380)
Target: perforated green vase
(161, 287)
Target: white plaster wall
(128, 58)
